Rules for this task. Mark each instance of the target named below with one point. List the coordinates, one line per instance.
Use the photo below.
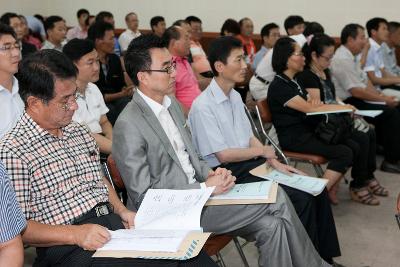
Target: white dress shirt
(126, 37)
(172, 132)
(11, 107)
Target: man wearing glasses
(11, 107)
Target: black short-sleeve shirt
(114, 80)
(308, 79)
(289, 123)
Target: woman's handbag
(335, 128)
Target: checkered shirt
(56, 179)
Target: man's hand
(391, 101)
(222, 179)
(128, 218)
(90, 236)
(286, 169)
(269, 152)
(127, 91)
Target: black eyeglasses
(167, 70)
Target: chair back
(114, 173)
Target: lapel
(152, 120)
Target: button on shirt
(374, 60)
(91, 107)
(11, 107)
(126, 37)
(56, 179)
(389, 59)
(12, 221)
(218, 122)
(175, 138)
(346, 72)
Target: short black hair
(266, 30)
(220, 49)
(350, 30)
(6, 17)
(76, 48)
(102, 15)
(393, 26)
(283, 49)
(313, 27)
(155, 20)
(7, 30)
(98, 29)
(191, 19)
(50, 22)
(373, 24)
(292, 21)
(38, 72)
(137, 57)
(171, 33)
(81, 12)
(230, 25)
(318, 44)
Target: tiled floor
(369, 236)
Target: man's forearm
(44, 235)
(367, 94)
(12, 252)
(112, 97)
(113, 198)
(239, 154)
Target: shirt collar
(374, 44)
(14, 89)
(387, 49)
(218, 93)
(155, 106)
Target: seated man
(186, 84)
(353, 87)
(12, 106)
(80, 30)
(106, 16)
(13, 20)
(111, 80)
(54, 167)
(152, 149)
(12, 223)
(158, 25)
(378, 33)
(56, 31)
(91, 107)
(294, 25)
(269, 35)
(389, 49)
(132, 31)
(222, 134)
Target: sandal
(375, 188)
(364, 196)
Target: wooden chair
(213, 245)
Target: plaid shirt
(56, 179)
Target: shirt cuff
(203, 185)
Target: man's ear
(142, 77)
(219, 66)
(34, 104)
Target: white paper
(328, 112)
(257, 190)
(375, 102)
(164, 209)
(369, 113)
(307, 184)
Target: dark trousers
(73, 256)
(387, 127)
(115, 108)
(315, 213)
(363, 146)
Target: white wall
(333, 15)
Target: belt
(261, 79)
(99, 210)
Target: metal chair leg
(240, 251)
(318, 170)
(220, 260)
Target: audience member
(378, 33)
(312, 28)
(132, 31)
(222, 134)
(54, 168)
(353, 87)
(80, 30)
(294, 25)
(245, 36)
(152, 149)
(91, 110)
(230, 27)
(158, 25)
(13, 20)
(111, 79)
(56, 31)
(108, 17)
(316, 80)
(389, 49)
(28, 37)
(269, 35)
(11, 107)
(186, 85)
(12, 224)
(37, 27)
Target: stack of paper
(328, 112)
(369, 113)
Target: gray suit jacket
(144, 154)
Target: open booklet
(167, 226)
(311, 185)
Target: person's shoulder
(203, 100)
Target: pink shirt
(186, 84)
(200, 62)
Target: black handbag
(335, 128)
